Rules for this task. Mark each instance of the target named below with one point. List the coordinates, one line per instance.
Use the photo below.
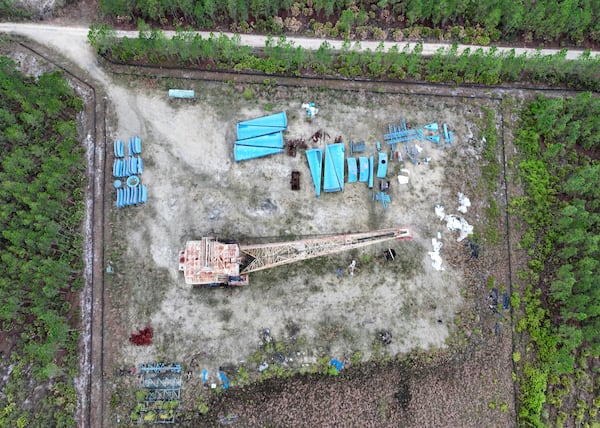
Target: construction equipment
(210, 263)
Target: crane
(210, 263)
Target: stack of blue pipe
(126, 166)
(131, 165)
(127, 196)
(119, 148)
(135, 145)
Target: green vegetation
(281, 57)
(490, 171)
(41, 209)
(560, 173)
(468, 21)
(10, 9)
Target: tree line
(41, 211)
(559, 168)
(572, 21)
(281, 57)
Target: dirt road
(79, 35)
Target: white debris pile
(403, 176)
(435, 254)
(463, 202)
(311, 109)
(454, 223)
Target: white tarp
(463, 202)
(435, 254)
(403, 177)
(454, 222)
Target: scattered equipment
(356, 147)
(311, 110)
(295, 180)
(210, 263)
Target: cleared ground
(196, 189)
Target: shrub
(142, 337)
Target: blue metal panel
(276, 120)
(315, 163)
(250, 131)
(274, 140)
(363, 169)
(333, 180)
(447, 134)
(241, 152)
(382, 165)
(352, 170)
(371, 172)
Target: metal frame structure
(203, 264)
(270, 255)
(162, 383)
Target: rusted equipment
(295, 181)
(320, 134)
(209, 263)
(293, 145)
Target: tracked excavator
(210, 263)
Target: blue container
(182, 93)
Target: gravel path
(79, 34)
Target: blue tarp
(224, 379)
(382, 165)
(333, 179)
(337, 364)
(363, 169)
(274, 139)
(315, 163)
(352, 170)
(242, 152)
(273, 120)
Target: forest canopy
(41, 211)
(478, 21)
